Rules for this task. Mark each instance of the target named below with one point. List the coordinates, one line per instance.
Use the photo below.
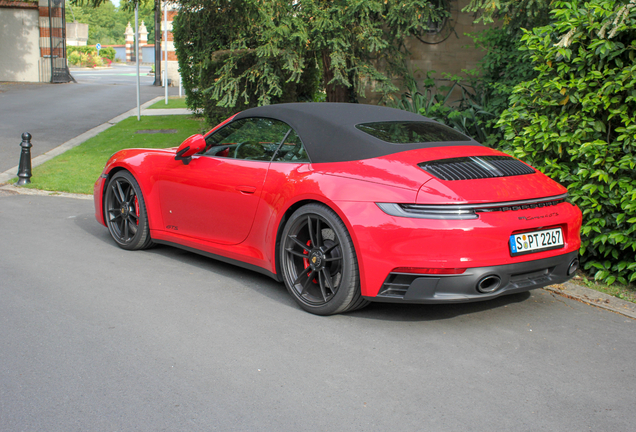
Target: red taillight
(419, 270)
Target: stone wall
(76, 34)
(19, 42)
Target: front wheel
(125, 212)
(318, 262)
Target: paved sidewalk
(594, 298)
(172, 111)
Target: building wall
(76, 34)
(120, 52)
(168, 45)
(452, 55)
(19, 44)
(147, 53)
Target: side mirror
(189, 147)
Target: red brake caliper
(306, 261)
(137, 208)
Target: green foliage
(108, 53)
(503, 66)
(515, 14)
(437, 102)
(84, 56)
(252, 52)
(173, 102)
(576, 121)
(486, 90)
(202, 36)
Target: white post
(165, 37)
(137, 57)
(180, 87)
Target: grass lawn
(173, 102)
(77, 170)
(624, 292)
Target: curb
(594, 298)
(13, 172)
(16, 190)
(168, 111)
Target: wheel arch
(287, 214)
(114, 170)
(118, 168)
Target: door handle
(246, 189)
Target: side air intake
(476, 167)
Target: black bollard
(24, 169)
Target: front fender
(144, 165)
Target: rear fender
(331, 191)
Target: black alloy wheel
(125, 212)
(318, 262)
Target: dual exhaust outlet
(488, 284)
(492, 283)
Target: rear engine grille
(476, 167)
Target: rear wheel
(125, 212)
(318, 262)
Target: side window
(292, 150)
(249, 139)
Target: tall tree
(251, 50)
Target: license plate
(536, 241)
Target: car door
(215, 196)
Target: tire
(125, 212)
(318, 262)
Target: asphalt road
(94, 338)
(56, 113)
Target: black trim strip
(222, 258)
(465, 211)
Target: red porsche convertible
(348, 204)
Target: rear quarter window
(409, 132)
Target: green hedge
(106, 52)
(576, 121)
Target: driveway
(96, 338)
(56, 113)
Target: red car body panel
(236, 208)
(243, 225)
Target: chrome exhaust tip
(489, 284)
(574, 266)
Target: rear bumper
(514, 278)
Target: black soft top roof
(328, 129)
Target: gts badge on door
(172, 227)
